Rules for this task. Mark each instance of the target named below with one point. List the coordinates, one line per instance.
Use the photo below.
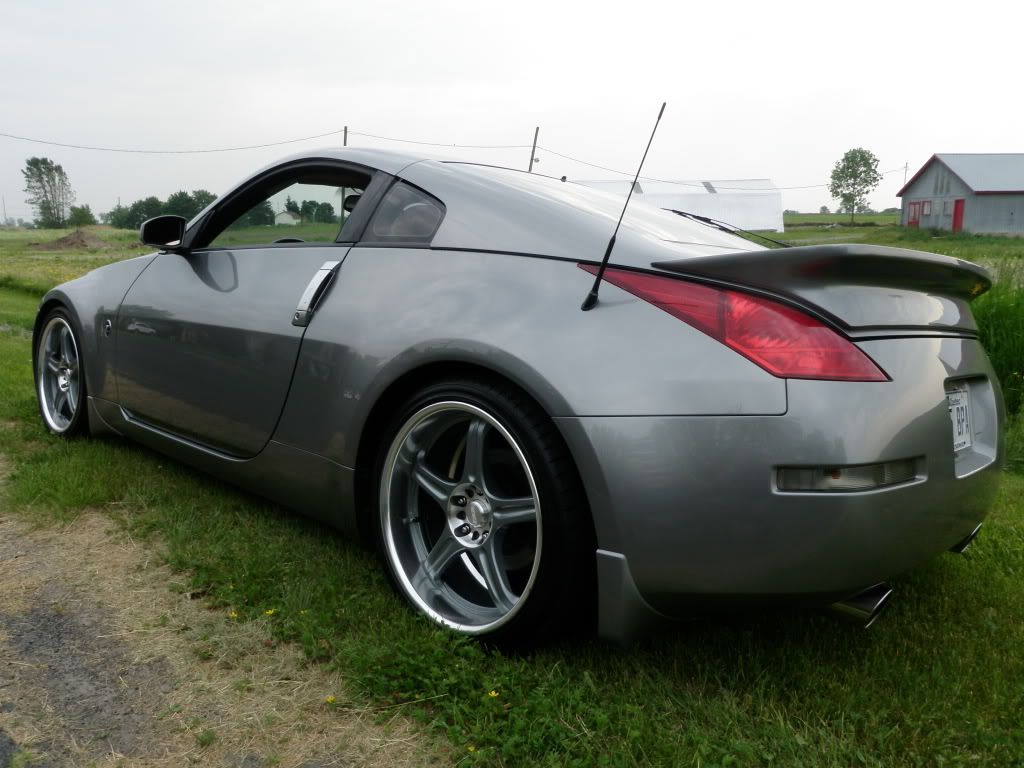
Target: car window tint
(406, 214)
(306, 210)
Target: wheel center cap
(478, 513)
(469, 515)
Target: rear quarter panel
(393, 310)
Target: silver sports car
(396, 346)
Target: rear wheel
(60, 376)
(483, 524)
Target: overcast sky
(764, 89)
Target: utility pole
(533, 151)
(4, 222)
(344, 138)
(906, 167)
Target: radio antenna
(591, 301)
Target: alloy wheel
(58, 375)
(461, 517)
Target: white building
(753, 204)
(287, 217)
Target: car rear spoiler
(879, 287)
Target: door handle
(315, 289)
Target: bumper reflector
(864, 477)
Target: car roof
(503, 209)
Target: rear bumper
(687, 506)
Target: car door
(207, 341)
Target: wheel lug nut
(462, 530)
(459, 501)
(469, 492)
(461, 515)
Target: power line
(257, 146)
(687, 183)
(398, 140)
(170, 151)
(438, 144)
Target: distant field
(309, 232)
(983, 249)
(823, 219)
(26, 263)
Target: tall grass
(1000, 316)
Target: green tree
(81, 216)
(141, 210)
(823, 210)
(325, 214)
(260, 214)
(308, 210)
(117, 217)
(181, 204)
(291, 205)
(49, 191)
(202, 198)
(853, 178)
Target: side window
(311, 207)
(406, 214)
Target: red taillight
(784, 341)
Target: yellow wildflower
(269, 612)
(232, 614)
(471, 748)
(493, 694)
(330, 699)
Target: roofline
(935, 158)
(915, 177)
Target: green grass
(979, 248)
(938, 681)
(822, 219)
(310, 232)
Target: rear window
(406, 214)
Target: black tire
(59, 374)
(557, 597)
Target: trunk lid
(867, 290)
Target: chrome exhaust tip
(865, 606)
(961, 546)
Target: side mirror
(164, 232)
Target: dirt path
(102, 664)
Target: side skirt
(298, 479)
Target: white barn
(754, 204)
(287, 217)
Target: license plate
(960, 415)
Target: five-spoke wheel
(60, 382)
(461, 516)
(479, 513)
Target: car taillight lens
(784, 341)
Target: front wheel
(60, 376)
(483, 524)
